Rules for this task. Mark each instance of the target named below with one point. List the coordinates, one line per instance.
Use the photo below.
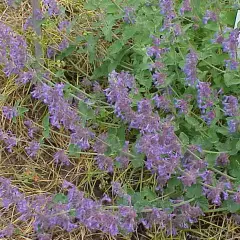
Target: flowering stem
(37, 29)
(221, 173)
(216, 210)
(213, 169)
(212, 187)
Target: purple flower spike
(52, 7)
(7, 231)
(233, 125)
(129, 16)
(33, 148)
(230, 44)
(61, 158)
(25, 77)
(222, 160)
(186, 7)
(159, 78)
(181, 105)
(190, 69)
(167, 10)
(209, 15)
(230, 106)
(9, 112)
(189, 177)
(236, 197)
(13, 51)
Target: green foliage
(46, 126)
(60, 198)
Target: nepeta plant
(163, 101)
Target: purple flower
(61, 158)
(233, 125)
(129, 15)
(7, 231)
(205, 101)
(159, 78)
(13, 51)
(51, 51)
(209, 15)
(230, 44)
(63, 44)
(104, 162)
(52, 7)
(156, 65)
(80, 137)
(222, 160)
(120, 85)
(33, 148)
(162, 102)
(167, 10)
(218, 38)
(117, 189)
(230, 106)
(9, 112)
(9, 139)
(189, 177)
(190, 213)
(190, 69)
(61, 113)
(207, 177)
(145, 119)
(181, 105)
(186, 7)
(128, 218)
(157, 217)
(155, 51)
(25, 77)
(97, 87)
(231, 64)
(162, 150)
(123, 158)
(44, 236)
(29, 22)
(63, 25)
(214, 193)
(236, 196)
(31, 128)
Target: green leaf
(128, 32)
(121, 134)
(74, 150)
(115, 47)
(138, 160)
(231, 205)
(60, 73)
(22, 110)
(228, 17)
(66, 52)
(230, 80)
(211, 159)
(149, 194)
(60, 198)
(213, 26)
(195, 191)
(192, 121)
(86, 111)
(184, 138)
(238, 145)
(203, 203)
(234, 167)
(46, 126)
